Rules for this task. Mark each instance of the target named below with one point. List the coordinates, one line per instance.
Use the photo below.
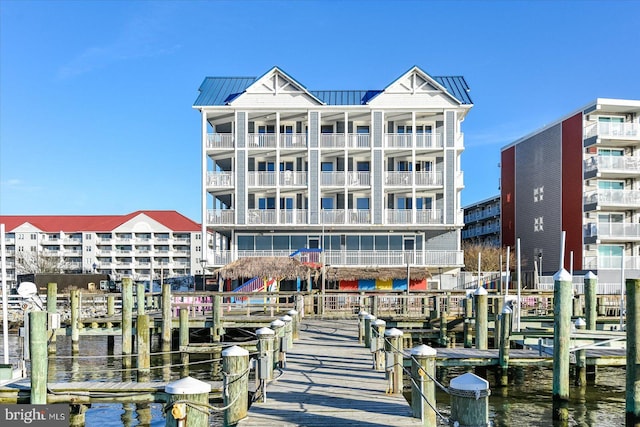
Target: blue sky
(96, 96)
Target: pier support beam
(361, 315)
(562, 297)
(144, 347)
(140, 297)
(38, 351)
(266, 338)
(423, 369)
(468, 322)
(590, 295)
(505, 343)
(295, 323)
(52, 308)
(368, 320)
(377, 344)
(166, 317)
(278, 328)
(183, 340)
(581, 359)
(469, 400)
(633, 353)
(235, 364)
(75, 320)
(127, 320)
(217, 331)
(482, 306)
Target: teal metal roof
(222, 90)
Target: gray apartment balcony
(221, 216)
(625, 131)
(292, 178)
(398, 179)
(261, 216)
(341, 140)
(345, 216)
(293, 216)
(612, 166)
(357, 258)
(220, 141)
(405, 216)
(261, 140)
(612, 199)
(330, 179)
(220, 179)
(612, 231)
(428, 179)
(261, 179)
(406, 140)
(293, 140)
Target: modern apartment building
(482, 222)
(370, 176)
(139, 245)
(580, 175)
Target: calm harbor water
(525, 404)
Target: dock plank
(329, 380)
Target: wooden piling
(590, 295)
(481, 303)
(361, 315)
(75, 320)
(581, 358)
(633, 353)
(278, 328)
(166, 317)
(377, 344)
(217, 330)
(468, 320)
(505, 343)
(140, 300)
(188, 400)
(469, 400)
(235, 364)
(39, 360)
(562, 294)
(443, 339)
(144, 347)
(295, 324)
(368, 319)
(52, 309)
(498, 304)
(287, 335)
(423, 369)
(393, 348)
(183, 339)
(127, 321)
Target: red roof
(77, 223)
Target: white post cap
(379, 322)
(292, 313)
(423, 350)
(265, 331)
(580, 322)
(590, 275)
(480, 291)
(286, 318)
(369, 317)
(188, 385)
(562, 276)
(393, 332)
(277, 323)
(469, 382)
(234, 351)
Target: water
(526, 404)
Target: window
(611, 185)
(538, 194)
(404, 202)
(610, 152)
(538, 224)
(362, 166)
(326, 203)
(362, 129)
(326, 166)
(326, 129)
(266, 167)
(286, 129)
(286, 166)
(87, 248)
(266, 129)
(610, 217)
(33, 236)
(424, 203)
(286, 203)
(267, 203)
(362, 203)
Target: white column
(205, 246)
(414, 136)
(277, 167)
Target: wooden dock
(329, 380)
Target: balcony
(611, 263)
(405, 140)
(261, 216)
(293, 140)
(293, 216)
(429, 179)
(261, 179)
(360, 258)
(262, 140)
(340, 140)
(291, 178)
(398, 179)
(333, 178)
(220, 140)
(609, 130)
(405, 216)
(611, 166)
(613, 198)
(220, 216)
(220, 179)
(344, 216)
(621, 231)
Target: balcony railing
(359, 258)
(220, 140)
(611, 263)
(261, 179)
(221, 216)
(405, 140)
(405, 216)
(332, 140)
(293, 140)
(293, 178)
(220, 179)
(428, 178)
(611, 130)
(613, 164)
(261, 216)
(613, 197)
(344, 216)
(262, 140)
(485, 213)
(358, 140)
(398, 178)
(293, 216)
(612, 230)
(332, 178)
